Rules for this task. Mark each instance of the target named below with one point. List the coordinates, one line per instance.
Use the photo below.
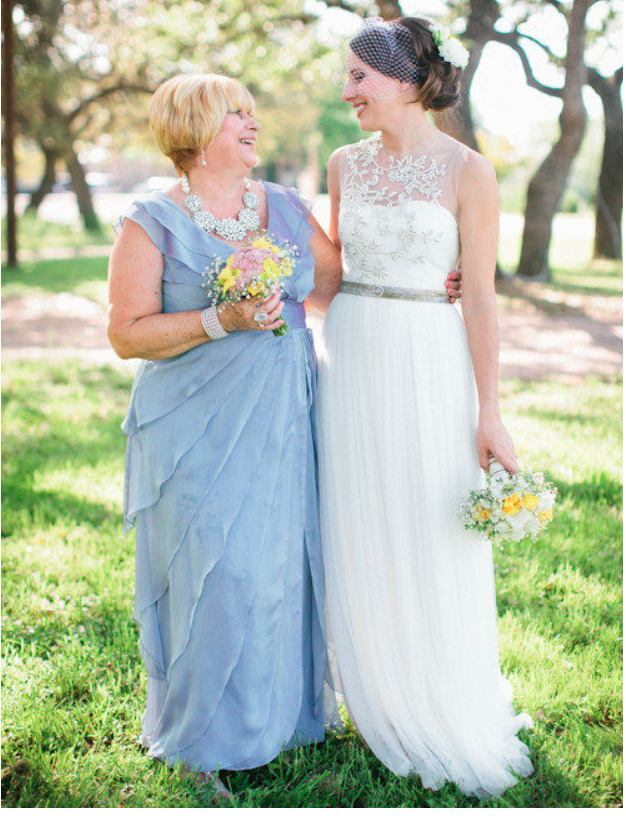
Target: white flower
(546, 501)
(453, 51)
(440, 33)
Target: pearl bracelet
(211, 324)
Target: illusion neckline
(415, 149)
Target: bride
(408, 413)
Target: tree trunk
(389, 9)
(81, 189)
(459, 122)
(8, 111)
(547, 186)
(608, 237)
(47, 181)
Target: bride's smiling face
(235, 144)
(377, 98)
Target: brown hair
(440, 82)
(416, 59)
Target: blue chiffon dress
(221, 485)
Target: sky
(501, 98)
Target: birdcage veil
(379, 60)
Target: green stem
(280, 331)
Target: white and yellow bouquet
(255, 271)
(510, 507)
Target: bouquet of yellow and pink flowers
(255, 271)
(510, 507)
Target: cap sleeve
(187, 248)
(138, 213)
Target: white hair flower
(449, 48)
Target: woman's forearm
(158, 336)
(327, 282)
(328, 271)
(481, 322)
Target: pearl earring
(203, 157)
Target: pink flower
(250, 261)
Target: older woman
(220, 469)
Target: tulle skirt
(410, 594)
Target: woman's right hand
(240, 316)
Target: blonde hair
(187, 112)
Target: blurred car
(63, 182)
(100, 181)
(155, 184)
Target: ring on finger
(261, 318)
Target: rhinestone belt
(378, 291)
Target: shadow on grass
(568, 417)
(600, 489)
(309, 778)
(23, 505)
(598, 292)
(108, 628)
(98, 443)
(321, 779)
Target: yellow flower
(545, 516)
(287, 267)
(530, 501)
(271, 269)
(255, 289)
(227, 274)
(266, 243)
(511, 505)
(483, 512)
(227, 279)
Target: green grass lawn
(82, 276)
(35, 233)
(74, 682)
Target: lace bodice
(398, 215)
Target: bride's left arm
(478, 227)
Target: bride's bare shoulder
(477, 181)
(343, 151)
(338, 154)
(477, 166)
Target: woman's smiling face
(236, 141)
(374, 96)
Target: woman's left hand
(494, 439)
(453, 285)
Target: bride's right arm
(326, 249)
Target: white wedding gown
(411, 596)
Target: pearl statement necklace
(231, 228)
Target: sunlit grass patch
(82, 276)
(35, 233)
